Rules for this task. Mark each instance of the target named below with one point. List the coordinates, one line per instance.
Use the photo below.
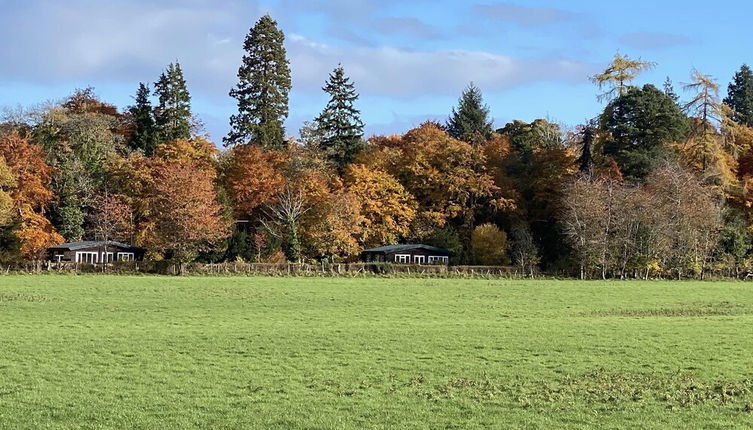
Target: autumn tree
(253, 177)
(112, 218)
(186, 216)
(142, 116)
(262, 89)
(7, 183)
(339, 124)
(31, 196)
(616, 78)
(386, 208)
(740, 96)
(470, 121)
(172, 115)
(488, 245)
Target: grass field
(296, 353)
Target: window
(87, 257)
(126, 256)
(419, 259)
(436, 259)
(109, 257)
(402, 258)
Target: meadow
(96, 352)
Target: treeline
(656, 185)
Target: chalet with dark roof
(93, 252)
(407, 254)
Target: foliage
(470, 121)
(489, 245)
(640, 123)
(7, 183)
(339, 124)
(262, 89)
(386, 209)
(254, 177)
(616, 78)
(31, 196)
(740, 96)
(142, 117)
(172, 115)
(186, 216)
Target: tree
(185, 214)
(198, 150)
(669, 90)
(703, 145)
(339, 124)
(143, 137)
(32, 194)
(470, 121)
(7, 183)
(112, 218)
(639, 125)
(740, 96)
(283, 220)
(172, 116)
(253, 178)
(616, 78)
(588, 137)
(262, 89)
(386, 208)
(488, 245)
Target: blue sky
(409, 59)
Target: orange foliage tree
(32, 195)
(253, 177)
(185, 214)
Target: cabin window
(402, 258)
(126, 256)
(419, 259)
(109, 257)
(435, 259)
(87, 257)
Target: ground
(296, 353)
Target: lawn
(297, 353)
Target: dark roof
(91, 244)
(407, 247)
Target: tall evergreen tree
(588, 136)
(143, 121)
(340, 124)
(262, 90)
(470, 120)
(740, 96)
(172, 115)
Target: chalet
(407, 254)
(94, 252)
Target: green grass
(298, 353)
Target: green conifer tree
(143, 121)
(262, 90)
(340, 124)
(470, 120)
(740, 96)
(669, 90)
(172, 116)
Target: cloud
(526, 16)
(654, 40)
(396, 72)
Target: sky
(409, 60)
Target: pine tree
(669, 90)
(143, 121)
(470, 121)
(173, 113)
(340, 124)
(740, 96)
(588, 136)
(262, 90)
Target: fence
(264, 269)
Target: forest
(657, 185)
